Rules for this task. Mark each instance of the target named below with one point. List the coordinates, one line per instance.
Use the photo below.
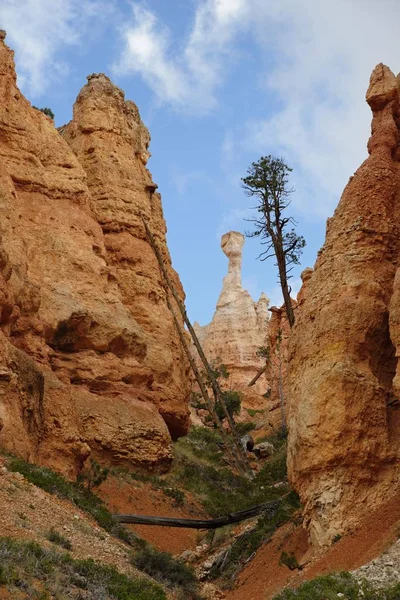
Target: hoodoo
(239, 326)
(344, 424)
(90, 362)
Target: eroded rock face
(343, 373)
(239, 327)
(70, 339)
(111, 143)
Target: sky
(220, 83)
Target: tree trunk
(196, 372)
(258, 375)
(268, 507)
(280, 259)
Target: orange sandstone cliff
(89, 360)
(344, 423)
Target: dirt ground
(28, 513)
(264, 577)
(138, 498)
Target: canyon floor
(30, 513)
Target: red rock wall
(79, 368)
(343, 384)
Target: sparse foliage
(268, 181)
(47, 111)
(93, 476)
(233, 402)
(59, 539)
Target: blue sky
(220, 83)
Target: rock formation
(89, 361)
(111, 143)
(239, 327)
(343, 372)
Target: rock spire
(344, 428)
(89, 360)
(239, 325)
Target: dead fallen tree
(268, 508)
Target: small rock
(263, 450)
(3, 34)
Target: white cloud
(146, 47)
(187, 76)
(39, 29)
(324, 53)
(315, 59)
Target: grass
(253, 412)
(159, 484)
(54, 483)
(329, 587)
(56, 538)
(24, 565)
(169, 571)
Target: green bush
(47, 111)
(243, 428)
(25, 564)
(205, 443)
(176, 494)
(56, 538)
(329, 586)
(93, 476)
(233, 402)
(200, 467)
(169, 571)
(253, 412)
(289, 559)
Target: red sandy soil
(139, 498)
(264, 577)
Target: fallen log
(241, 515)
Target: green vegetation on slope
(54, 483)
(169, 571)
(201, 468)
(162, 566)
(44, 574)
(329, 587)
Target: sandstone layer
(344, 377)
(80, 371)
(238, 329)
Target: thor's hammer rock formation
(239, 326)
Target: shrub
(47, 111)
(176, 494)
(169, 571)
(289, 560)
(93, 476)
(25, 564)
(56, 538)
(330, 586)
(243, 428)
(233, 402)
(253, 412)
